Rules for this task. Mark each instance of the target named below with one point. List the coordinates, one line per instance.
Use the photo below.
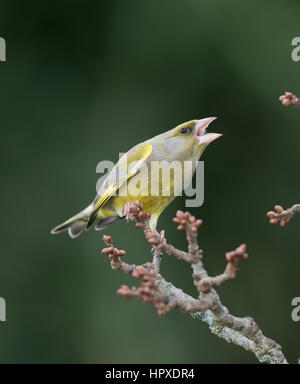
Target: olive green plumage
(184, 143)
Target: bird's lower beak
(201, 135)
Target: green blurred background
(85, 80)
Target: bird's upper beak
(200, 131)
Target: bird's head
(190, 138)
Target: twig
(207, 307)
(282, 216)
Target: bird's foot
(126, 211)
(162, 236)
(132, 210)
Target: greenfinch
(132, 179)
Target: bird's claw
(126, 211)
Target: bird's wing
(127, 167)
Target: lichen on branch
(164, 296)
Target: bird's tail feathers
(75, 225)
(103, 223)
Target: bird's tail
(76, 224)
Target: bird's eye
(183, 130)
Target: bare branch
(154, 289)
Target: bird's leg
(126, 211)
(162, 236)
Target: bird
(132, 179)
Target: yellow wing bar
(132, 163)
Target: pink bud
(192, 219)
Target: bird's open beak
(201, 135)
